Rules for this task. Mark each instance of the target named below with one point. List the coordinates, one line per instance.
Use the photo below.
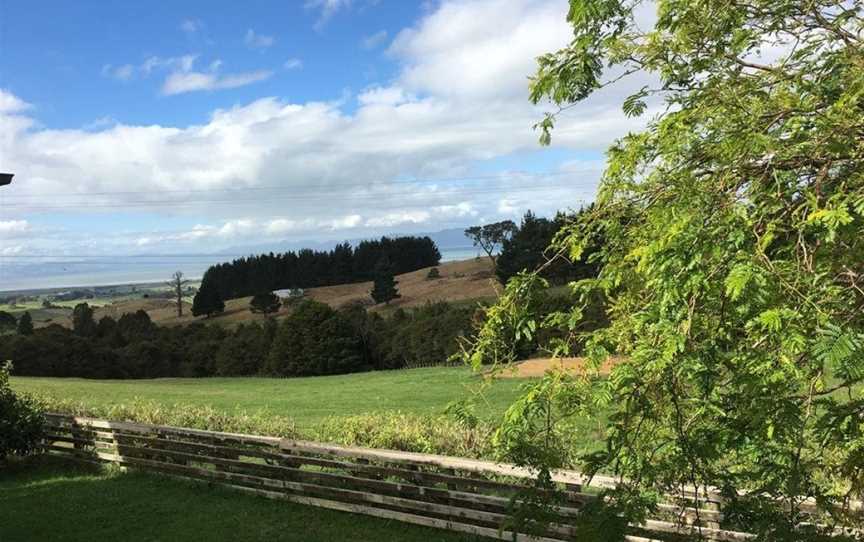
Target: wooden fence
(438, 491)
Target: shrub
(265, 303)
(179, 415)
(21, 420)
(395, 431)
(433, 274)
(409, 433)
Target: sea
(145, 269)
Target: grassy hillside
(307, 400)
(50, 500)
(460, 281)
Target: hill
(460, 281)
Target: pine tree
(25, 324)
(207, 300)
(384, 288)
(82, 320)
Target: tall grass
(437, 434)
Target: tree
(83, 323)
(736, 286)
(8, 323)
(528, 249)
(491, 236)
(384, 286)
(176, 284)
(207, 300)
(314, 340)
(265, 303)
(25, 324)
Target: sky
(147, 128)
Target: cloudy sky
(169, 127)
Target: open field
(460, 281)
(46, 499)
(307, 400)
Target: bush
(433, 274)
(179, 415)
(314, 340)
(21, 420)
(265, 303)
(409, 433)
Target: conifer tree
(25, 324)
(384, 288)
(207, 300)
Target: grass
(49, 499)
(308, 401)
(402, 410)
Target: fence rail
(452, 493)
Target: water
(114, 271)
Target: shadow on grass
(48, 498)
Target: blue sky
(54, 54)
(178, 127)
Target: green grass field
(48, 499)
(307, 400)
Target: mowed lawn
(48, 499)
(307, 400)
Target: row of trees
(308, 268)
(314, 339)
(208, 301)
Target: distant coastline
(133, 271)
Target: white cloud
(181, 82)
(9, 103)
(181, 77)
(99, 123)
(121, 73)
(258, 41)
(455, 51)
(327, 9)
(383, 96)
(191, 26)
(374, 40)
(13, 228)
(333, 162)
(347, 222)
(11, 250)
(389, 220)
(181, 63)
(293, 64)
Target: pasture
(308, 400)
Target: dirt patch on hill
(533, 368)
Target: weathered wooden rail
(437, 491)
